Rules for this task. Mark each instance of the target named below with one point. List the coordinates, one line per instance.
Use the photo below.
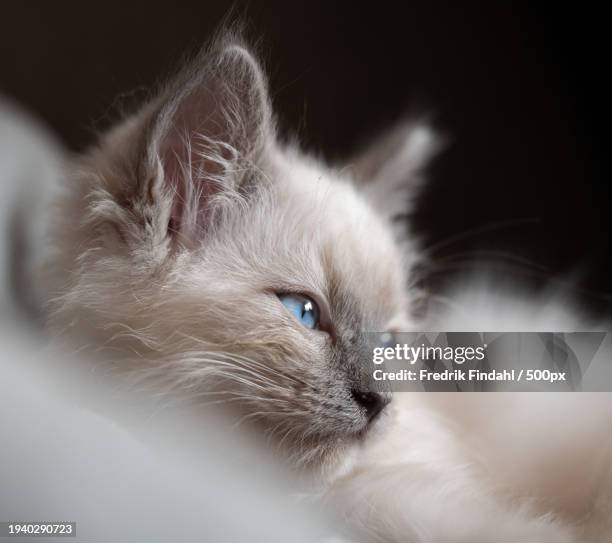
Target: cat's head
(199, 251)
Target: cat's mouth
(374, 426)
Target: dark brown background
(518, 91)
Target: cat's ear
(389, 172)
(205, 136)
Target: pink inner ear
(194, 161)
(194, 180)
(212, 119)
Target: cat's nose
(373, 402)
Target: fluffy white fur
(489, 467)
(172, 237)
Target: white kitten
(196, 253)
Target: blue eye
(303, 309)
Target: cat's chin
(338, 453)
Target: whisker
(466, 234)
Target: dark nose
(372, 402)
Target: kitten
(197, 253)
(190, 237)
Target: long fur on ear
(390, 171)
(209, 128)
